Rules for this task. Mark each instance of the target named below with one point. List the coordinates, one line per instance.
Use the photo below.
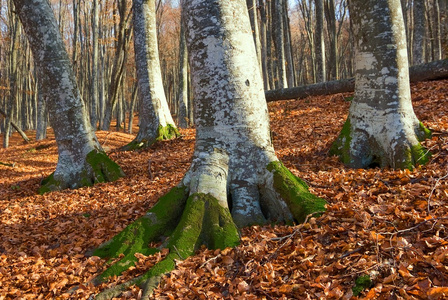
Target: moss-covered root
(341, 146)
(163, 133)
(158, 221)
(203, 222)
(295, 193)
(98, 168)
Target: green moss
(49, 184)
(295, 193)
(361, 283)
(163, 133)
(159, 221)
(423, 132)
(420, 154)
(204, 222)
(341, 146)
(103, 169)
(166, 133)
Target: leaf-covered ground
(384, 229)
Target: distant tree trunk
(95, 65)
(279, 33)
(320, 42)
(253, 15)
(265, 45)
(81, 160)
(182, 112)
(14, 27)
(289, 58)
(330, 14)
(156, 122)
(418, 51)
(116, 77)
(382, 128)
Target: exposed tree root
(200, 219)
(371, 153)
(203, 222)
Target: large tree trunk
(382, 128)
(81, 160)
(156, 122)
(234, 165)
(429, 71)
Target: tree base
(371, 153)
(200, 221)
(183, 223)
(163, 133)
(98, 168)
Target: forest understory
(384, 236)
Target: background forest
(288, 43)
(383, 235)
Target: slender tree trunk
(418, 50)
(182, 117)
(279, 43)
(156, 122)
(320, 42)
(95, 65)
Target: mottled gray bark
(320, 42)
(382, 128)
(41, 122)
(418, 46)
(182, 111)
(95, 66)
(156, 122)
(233, 146)
(279, 33)
(74, 136)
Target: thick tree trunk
(156, 122)
(382, 128)
(429, 71)
(234, 166)
(81, 160)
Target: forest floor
(386, 227)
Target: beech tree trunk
(182, 111)
(320, 42)
(156, 122)
(81, 160)
(382, 128)
(418, 46)
(235, 178)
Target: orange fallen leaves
(371, 227)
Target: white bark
(154, 111)
(233, 146)
(384, 127)
(74, 135)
